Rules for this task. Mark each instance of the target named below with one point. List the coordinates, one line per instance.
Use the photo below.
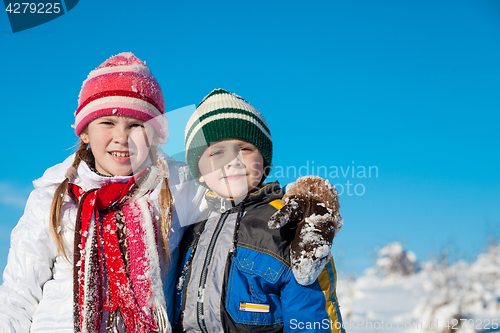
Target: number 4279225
(472, 324)
(33, 8)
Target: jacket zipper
(222, 208)
(204, 272)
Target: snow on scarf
(117, 247)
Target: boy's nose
(237, 162)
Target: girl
(112, 194)
(97, 246)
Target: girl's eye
(137, 125)
(107, 123)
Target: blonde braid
(58, 199)
(166, 203)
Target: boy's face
(119, 144)
(231, 168)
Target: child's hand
(312, 205)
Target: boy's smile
(231, 168)
(119, 144)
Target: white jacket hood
(84, 177)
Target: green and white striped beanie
(224, 115)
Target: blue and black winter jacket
(235, 273)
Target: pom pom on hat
(123, 85)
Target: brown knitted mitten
(312, 205)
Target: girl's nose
(120, 136)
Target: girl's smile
(120, 154)
(120, 157)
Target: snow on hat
(224, 115)
(121, 86)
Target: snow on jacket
(236, 274)
(37, 293)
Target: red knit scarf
(116, 263)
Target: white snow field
(401, 295)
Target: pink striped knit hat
(121, 86)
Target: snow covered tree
(456, 292)
(395, 261)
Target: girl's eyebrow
(106, 118)
(135, 121)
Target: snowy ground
(428, 297)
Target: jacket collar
(261, 194)
(85, 177)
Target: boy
(236, 272)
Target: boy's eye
(216, 153)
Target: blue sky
(409, 88)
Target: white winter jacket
(37, 293)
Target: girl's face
(119, 144)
